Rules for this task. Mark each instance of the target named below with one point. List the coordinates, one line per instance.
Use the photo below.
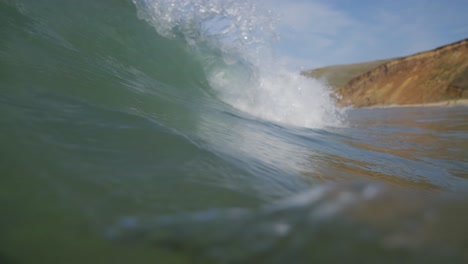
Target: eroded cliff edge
(427, 77)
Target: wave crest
(233, 40)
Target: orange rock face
(432, 76)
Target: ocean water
(166, 132)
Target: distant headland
(435, 77)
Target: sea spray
(232, 39)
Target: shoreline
(446, 103)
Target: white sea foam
(233, 41)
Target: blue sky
(316, 33)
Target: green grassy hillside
(338, 75)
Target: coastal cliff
(338, 76)
(427, 77)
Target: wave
(232, 39)
(194, 49)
